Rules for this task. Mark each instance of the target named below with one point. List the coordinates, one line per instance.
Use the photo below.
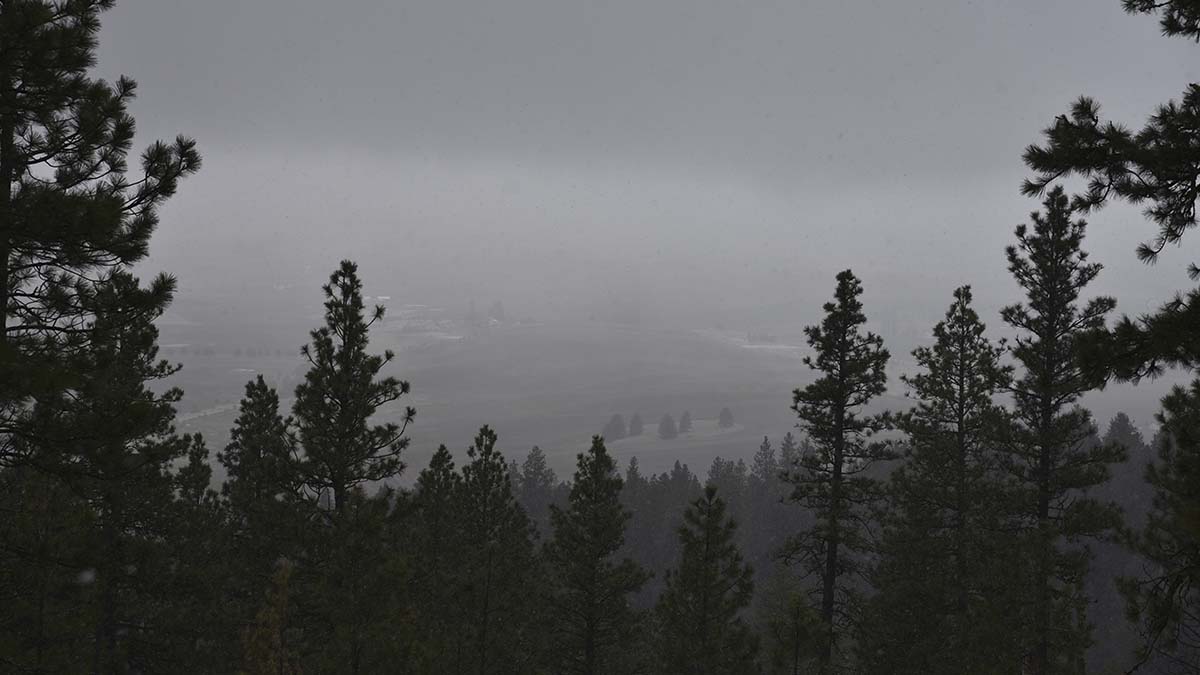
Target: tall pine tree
(1050, 455)
(344, 451)
(832, 481)
(593, 622)
(1155, 165)
(340, 394)
(942, 592)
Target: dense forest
(991, 527)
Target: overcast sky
(549, 151)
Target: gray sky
(550, 152)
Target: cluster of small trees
(668, 428)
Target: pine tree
(497, 564)
(725, 418)
(635, 498)
(1155, 165)
(538, 486)
(615, 429)
(1050, 456)
(340, 394)
(764, 468)
(342, 451)
(110, 441)
(700, 612)
(832, 481)
(594, 624)
(942, 597)
(261, 469)
(1127, 485)
(766, 526)
(1165, 599)
(732, 480)
(434, 536)
(789, 453)
(633, 477)
(72, 223)
(71, 216)
(666, 427)
(685, 422)
(636, 425)
(1115, 640)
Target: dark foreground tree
(942, 577)
(70, 213)
(701, 629)
(340, 394)
(260, 459)
(432, 531)
(1165, 600)
(832, 481)
(595, 628)
(1158, 165)
(260, 493)
(498, 568)
(109, 442)
(341, 596)
(1051, 455)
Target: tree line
(959, 535)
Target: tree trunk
(1041, 654)
(829, 586)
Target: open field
(549, 385)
